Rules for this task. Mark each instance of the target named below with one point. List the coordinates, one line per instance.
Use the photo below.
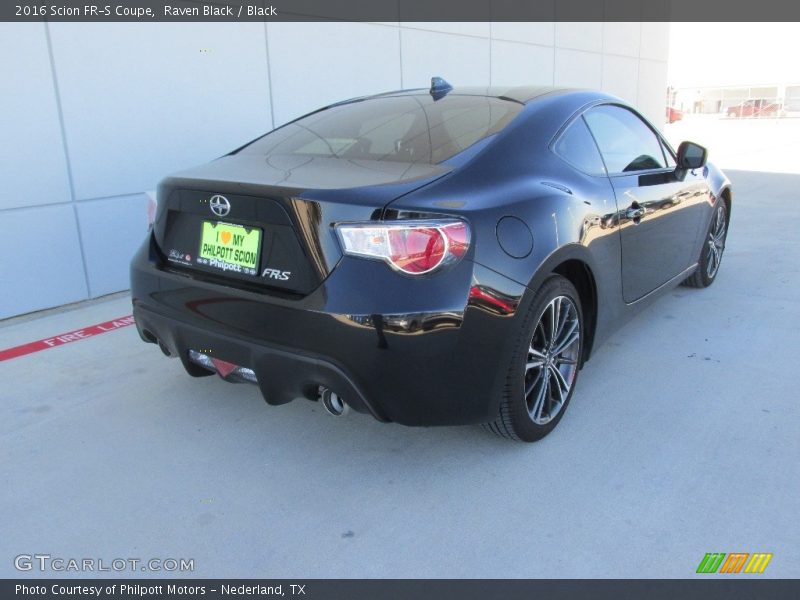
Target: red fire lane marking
(66, 338)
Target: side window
(577, 147)
(625, 142)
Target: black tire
(707, 271)
(515, 420)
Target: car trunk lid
(265, 224)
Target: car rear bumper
(417, 351)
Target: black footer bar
(400, 589)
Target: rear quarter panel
(571, 215)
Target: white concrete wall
(93, 115)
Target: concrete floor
(683, 438)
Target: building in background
(734, 69)
(738, 101)
(93, 115)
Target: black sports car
(430, 257)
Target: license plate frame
(229, 247)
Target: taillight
(412, 247)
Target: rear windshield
(410, 129)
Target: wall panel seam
(269, 76)
(65, 146)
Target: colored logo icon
(735, 562)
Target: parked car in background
(673, 114)
(755, 107)
(429, 257)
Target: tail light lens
(412, 247)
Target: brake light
(412, 247)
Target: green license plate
(230, 247)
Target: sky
(721, 54)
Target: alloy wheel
(716, 242)
(552, 360)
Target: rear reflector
(228, 371)
(223, 368)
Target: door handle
(635, 212)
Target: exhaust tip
(332, 402)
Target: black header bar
(399, 10)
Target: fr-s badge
(276, 274)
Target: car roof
(521, 94)
(526, 94)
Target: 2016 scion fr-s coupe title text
(443, 256)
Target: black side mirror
(691, 156)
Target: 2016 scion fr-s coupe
(430, 257)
